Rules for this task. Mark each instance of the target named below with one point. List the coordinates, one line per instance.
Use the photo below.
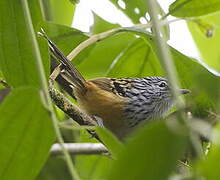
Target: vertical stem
(167, 63)
(44, 87)
(164, 54)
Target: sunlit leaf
(193, 8)
(100, 25)
(207, 45)
(205, 27)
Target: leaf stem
(44, 87)
(101, 36)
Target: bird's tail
(76, 78)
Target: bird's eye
(162, 84)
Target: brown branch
(70, 109)
(73, 111)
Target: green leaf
(203, 84)
(152, 153)
(17, 61)
(100, 25)
(110, 141)
(61, 12)
(193, 8)
(92, 166)
(54, 169)
(26, 135)
(207, 45)
(136, 60)
(67, 39)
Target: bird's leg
(99, 121)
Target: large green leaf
(207, 45)
(203, 84)
(152, 153)
(193, 8)
(17, 61)
(26, 134)
(135, 60)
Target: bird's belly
(108, 107)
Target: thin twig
(44, 86)
(184, 164)
(79, 148)
(54, 75)
(101, 36)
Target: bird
(119, 104)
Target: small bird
(120, 103)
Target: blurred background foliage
(153, 151)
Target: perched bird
(120, 103)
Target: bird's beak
(184, 91)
